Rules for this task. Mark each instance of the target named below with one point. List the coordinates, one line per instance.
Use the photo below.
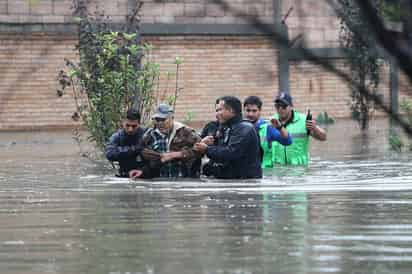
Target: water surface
(348, 212)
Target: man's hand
(315, 131)
(311, 125)
(200, 147)
(135, 173)
(169, 156)
(275, 123)
(208, 140)
(151, 155)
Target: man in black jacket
(236, 152)
(125, 146)
(211, 128)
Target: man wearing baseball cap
(268, 132)
(300, 127)
(168, 147)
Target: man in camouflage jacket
(168, 147)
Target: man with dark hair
(125, 146)
(300, 127)
(267, 133)
(253, 100)
(211, 128)
(236, 152)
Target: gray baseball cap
(163, 111)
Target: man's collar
(291, 118)
(163, 135)
(233, 120)
(259, 123)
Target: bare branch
(396, 48)
(281, 39)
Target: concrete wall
(154, 11)
(313, 19)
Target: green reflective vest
(298, 152)
(267, 160)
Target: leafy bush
(324, 118)
(390, 10)
(115, 73)
(396, 142)
(406, 107)
(108, 80)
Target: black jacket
(210, 129)
(237, 151)
(125, 149)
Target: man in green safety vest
(300, 127)
(268, 133)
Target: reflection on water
(348, 212)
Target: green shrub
(324, 118)
(114, 73)
(108, 80)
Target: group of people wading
(237, 146)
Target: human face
(164, 124)
(130, 126)
(223, 113)
(252, 113)
(283, 110)
(217, 111)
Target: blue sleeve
(273, 134)
(116, 152)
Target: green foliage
(178, 60)
(189, 116)
(390, 10)
(33, 2)
(406, 107)
(362, 59)
(109, 79)
(115, 73)
(324, 118)
(170, 100)
(395, 142)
